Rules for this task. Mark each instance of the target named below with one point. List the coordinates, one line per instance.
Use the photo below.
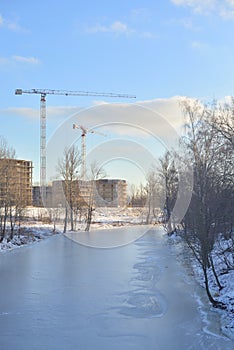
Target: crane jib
(72, 93)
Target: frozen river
(58, 295)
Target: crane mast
(84, 131)
(43, 146)
(43, 93)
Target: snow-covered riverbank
(29, 233)
(225, 295)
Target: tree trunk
(214, 272)
(149, 211)
(12, 224)
(54, 228)
(89, 218)
(214, 302)
(72, 219)
(65, 220)
(4, 222)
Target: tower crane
(43, 93)
(84, 131)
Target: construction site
(16, 183)
(104, 193)
(16, 188)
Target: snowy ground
(30, 233)
(103, 218)
(106, 218)
(226, 295)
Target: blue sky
(155, 50)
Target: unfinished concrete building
(75, 192)
(102, 193)
(15, 182)
(111, 193)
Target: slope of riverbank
(225, 295)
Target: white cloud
(200, 46)
(117, 27)
(23, 59)
(230, 2)
(141, 119)
(62, 111)
(52, 112)
(21, 111)
(11, 24)
(197, 5)
(10, 61)
(120, 28)
(168, 108)
(227, 14)
(134, 119)
(222, 8)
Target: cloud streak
(120, 28)
(201, 46)
(26, 112)
(32, 113)
(24, 59)
(4, 61)
(116, 27)
(11, 25)
(222, 8)
(107, 113)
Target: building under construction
(111, 193)
(75, 193)
(80, 194)
(15, 182)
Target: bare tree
(137, 196)
(202, 220)
(154, 193)
(6, 151)
(7, 188)
(221, 119)
(96, 173)
(54, 216)
(68, 168)
(169, 177)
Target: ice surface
(60, 295)
(108, 239)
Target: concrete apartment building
(111, 193)
(78, 192)
(15, 182)
(106, 193)
(16, 188)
